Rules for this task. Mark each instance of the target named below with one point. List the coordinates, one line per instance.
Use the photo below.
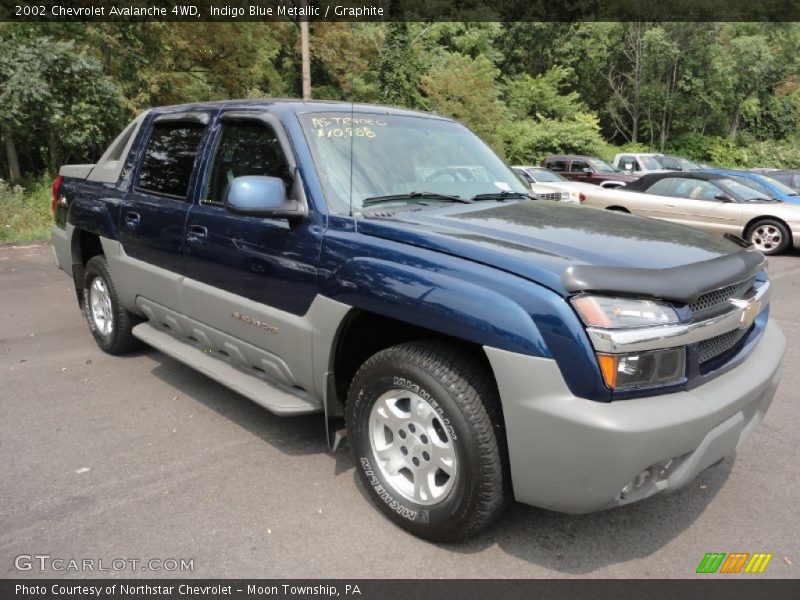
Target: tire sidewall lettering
(386, 497)
(407, 384)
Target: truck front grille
(715, 300)
(716, 347)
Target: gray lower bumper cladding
(575, 455)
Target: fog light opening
(656, 472)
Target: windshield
(742, 188)
(650, 163)
(396, 155)
(601, 166)
(781, 187)
(764, 187)
(546, 175)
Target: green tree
(399, 70)
(464, 88)
(53, 93)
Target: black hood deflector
(679, 284)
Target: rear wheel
(427, 438)
(108, 320)
(769, 236)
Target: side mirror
(723, 198)
(628, 167)
(586, 170)
(260, 196)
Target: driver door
(698, 203)
(252, 277)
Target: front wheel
(426, 434)
(769, 236)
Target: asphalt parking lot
(141, 457)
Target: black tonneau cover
(678, 284)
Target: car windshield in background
(780, 186)
(650, 163)
(546, 175)
(676, 163)
(396, 155)
(601, 166)
(688, 165)
(745, 191)
(763, 188)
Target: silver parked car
(713, 202)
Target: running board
(219, 367)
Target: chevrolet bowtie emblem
(749, 313)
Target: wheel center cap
(413, 445)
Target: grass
(25, 210)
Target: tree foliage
(721, 92)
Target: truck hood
(570, 248)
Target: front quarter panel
(458, 298)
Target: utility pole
(305, 54)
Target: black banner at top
(399, 10)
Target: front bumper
(575, 455)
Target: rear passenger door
(153, 213)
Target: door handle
(670, 205)
(197, 233)
(132, 220)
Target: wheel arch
(617, 208)
(752, 222)
(363, 333)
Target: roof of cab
(297, 106)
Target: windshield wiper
(413, 196)
(505, 194)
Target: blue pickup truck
(386, 269)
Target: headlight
(616, 313)
(643, 369)
(640, 369)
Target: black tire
(462, 392)
(119, 340)
(775, 239)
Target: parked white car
(547, 185)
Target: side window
(245, 148)
(578, 166)
(169, 158)
(556, 165)
(627, 163)
(661, 187)
(695, 189)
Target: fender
(436, 301)
(92, 210)
(465, 300)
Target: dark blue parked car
(761, 182)
(386, 269)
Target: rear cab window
(169, 158)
